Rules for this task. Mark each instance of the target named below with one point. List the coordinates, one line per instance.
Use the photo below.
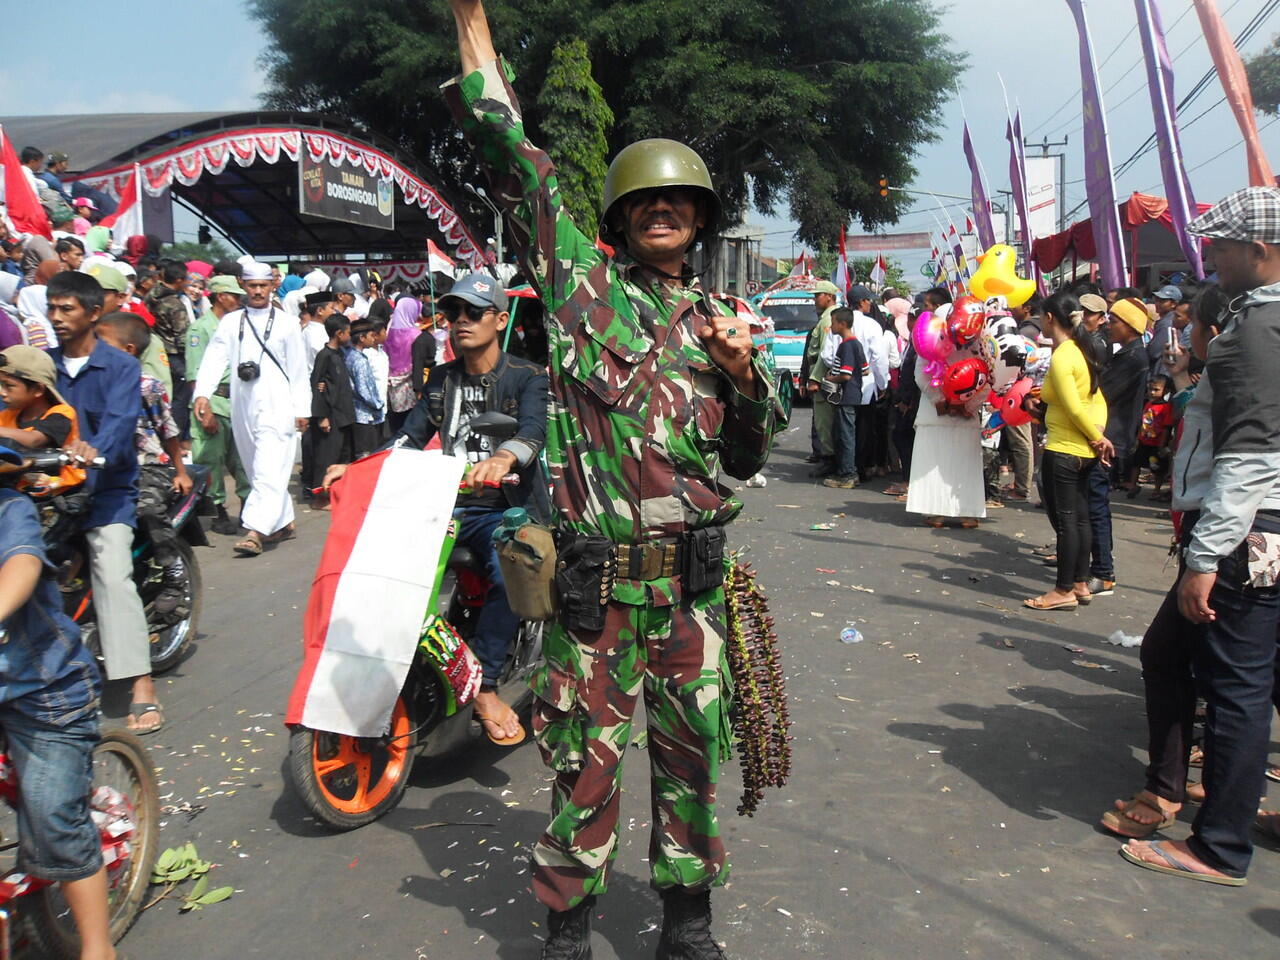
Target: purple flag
(1177, 187)
(1099, 184)
(978, 192)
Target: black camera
(248, 370)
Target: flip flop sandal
(1273, 774)
(140, 710)
(509, 742)
(1196, 759)
(1176, 868)
(281, 535)
(1120, 823)
(1035, 603)
(248, 547)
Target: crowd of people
(1172, 388)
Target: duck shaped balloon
(997, 277)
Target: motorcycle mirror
(496, 425)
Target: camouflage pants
(587, 691)
(155, 490)
(217, 451)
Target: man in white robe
(269, 407)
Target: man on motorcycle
(483, 379)
(656, 388)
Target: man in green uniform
(212, 444)
(826, 297)
(654, 390)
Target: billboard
(1042, 196)
(876, 242)
(345, 193)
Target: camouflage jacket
(172, 319)
(641, 421)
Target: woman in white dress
(946, 458)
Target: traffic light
(884, 186)
(203, 234)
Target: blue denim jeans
(1101, 565)
(1235, 664)
(496, 626)
(846, 439)
(57, 838)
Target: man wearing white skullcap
(270, 402)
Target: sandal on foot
(935, 522)
(281, 535)
(1273, 774)
(969, 524)
(489, 726)
(140, 710)
(1196, 757)
(1175, 867)
(1122, 823)
(248, 547)
(1037, 603)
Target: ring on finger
(731, 332)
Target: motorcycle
(60, 516)
(347, 782)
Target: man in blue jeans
(1230, 583)
(483, 379)
(49, 688)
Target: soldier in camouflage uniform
(654, 389)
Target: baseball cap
(1093, 303)
(1248, 215)
(478, 289)
(826, 286)
(342, 285)
(84, 202)
(225, 284)
(58, 157)
(858, 293)
(31, 363)
(109, 278)
(1132, 313)
(1169, 292)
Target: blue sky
(206, 59)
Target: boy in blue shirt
(845, 377)
(49, 688)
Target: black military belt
(650, 561)
(223, 390)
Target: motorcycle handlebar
(46, 459)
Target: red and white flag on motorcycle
(371, 591)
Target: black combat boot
(569, 933)
(686, 927)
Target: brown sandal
(489, 724)
(250, 546)
(1036, 603)
(1122, 823)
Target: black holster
(586, 568)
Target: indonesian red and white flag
(437, 262)
(126, 222)
(879, 271)
(391, 513)
(21, 202)
(842, 278)
(801, 266)
(968, 224)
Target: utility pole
(480, 194)
(1044, 146)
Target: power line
(1221, 153)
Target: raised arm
(475, 44)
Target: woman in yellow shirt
(1075, 416)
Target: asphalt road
(949, 771)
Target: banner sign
(1042, 196)
(345, 193)
(874, 243)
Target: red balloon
(965, 379)
(967, 320)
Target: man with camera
(262, 346)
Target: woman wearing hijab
(11, 332)
(401, 333)
(33, 307)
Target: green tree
(793, 103)
(210, 252)
(576, 123)
(1264, 78)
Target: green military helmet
(646, 164)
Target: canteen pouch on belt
(704, 559)
(528, 561)
(585, 571)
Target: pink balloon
(932, 342)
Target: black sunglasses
(453, 311)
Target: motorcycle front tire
(347, 782)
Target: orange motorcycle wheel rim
(356, 775)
